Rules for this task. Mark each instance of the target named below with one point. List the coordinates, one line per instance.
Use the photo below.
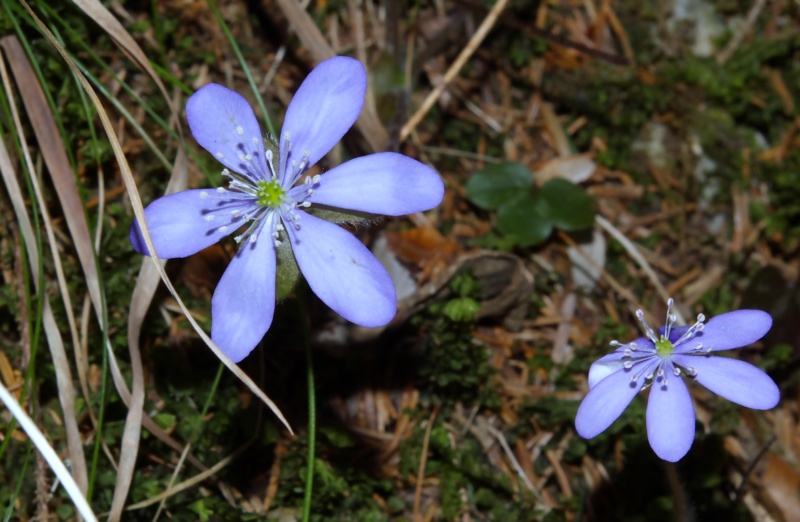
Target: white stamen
(235, 212)
(210, 217)
(203, 194)
(248, 157)
(660, 372)
(692, 371)
(615, 343)
(627, 365)
(223, 229)
(627, 352)
(276, 242)
(279, 227)
(219, 155)
(221, 190)
(634, 377)
(226, 172)
(255, 140)
(239, 130)
(238, 239)
(676, 371)
(305, 204)
(316, 178)
(253, 238)
(310, 191)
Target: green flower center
(270, 193)
(664, 348)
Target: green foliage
(527, 214)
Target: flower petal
(670, 418)
(184, 223)
(244, 301)
(605, 403)
(343, 272)
(731, 330)
(224, 124)
(325, 106)
(605, 366)
(384, 183)
(735, 380)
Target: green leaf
(497, 184)
(461, 309)
(336, 215)
(288, 273)
(526, 218)
(569, 207)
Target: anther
(223, 229)
(627, 352)
(219, 155)
(239, 130)
(210, 217)
(316, 178)
(255, 140)
(648, 375)
(305, 204)
(627, 365)
(660, 372)
(221, 190)
(203, 194)
(676, 371)
(248, 157)
(276, 242)
(253, 238)
(279, 227)
(615, 343)
(692, 371)
(634, 377)
(235, 212)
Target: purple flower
(272, 215)
(658, 362)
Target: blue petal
(605, 366)
(734, 380)
(384, 183)
(605, 403)
(731, 330)
(343, 272)
(325, 106)
(244, 301)
(179, 223)
(670, 418)
(224, 124)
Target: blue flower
(268, 207)
(659, 361)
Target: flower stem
(312, 409)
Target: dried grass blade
(25, 76)
(48, 453)
(64, 383)
(103, 17)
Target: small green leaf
(497, 184)
(336, 215)
(461, 310)
(526, 219)
(569, 207)
(288, 273)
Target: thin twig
(422, 461)
(451, 73)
